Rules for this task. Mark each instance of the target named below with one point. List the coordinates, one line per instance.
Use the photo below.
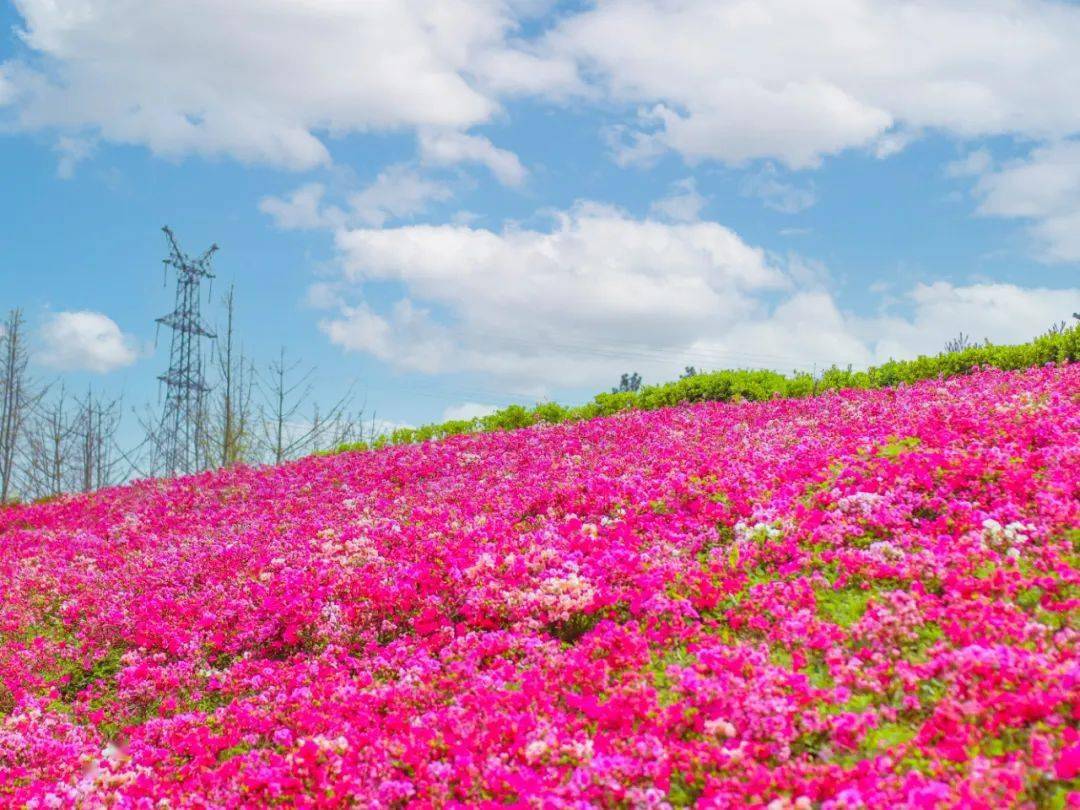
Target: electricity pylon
(179, 443)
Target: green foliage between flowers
(741, 384)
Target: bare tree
(47, 467)
(1057, 328)
(17, 398)
(286, 432)
(959, 343)
(629, 383)
(349, 428)
(231, 430)
(94, 437)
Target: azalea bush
(866, 598)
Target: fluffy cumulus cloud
(601, 291)
(520, 302)
(269, 80)
(972, 164)
(1044, 189)
(70, 153)
(85, 341)
(264, 80)
(921, 320)
(259, 80)
(449, 148)
(797, 82)
(1003, 313)
(682, 204)
(398, 192)
(302, 210)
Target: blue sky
(464, 204)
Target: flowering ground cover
(867, 598)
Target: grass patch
(667, 691)
(81, 678)
(684, 791)
(843, 607)
(898, 447)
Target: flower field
(862, 599)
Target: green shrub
(509, 418)
(551, 412)
(1055, 346)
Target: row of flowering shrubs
(1057, 346)
(867, 598)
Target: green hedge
(722, 386)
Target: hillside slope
(864, 597)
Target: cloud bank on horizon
(762, 87)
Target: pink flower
(1068, 763)
(798, 602)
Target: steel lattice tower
(179, 440)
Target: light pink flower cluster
(866, 599)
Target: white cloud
(807, 328)
(683, 204)
(810, 325)
(1043, 188)
(468, 410)
(72, 152)
(630, 147)
(1004, 313)
(268, 80)
(448, 148)
(1060, 236)
(85, 341)
(799, 125)
(797, 82)
(303, 209)
(893, 142)
(518, 301)
(398, 192)
(407, 337)
(601, 293)
(778, 194)
(262, 80)
(974, 163)
(519, 72)
(323, 295)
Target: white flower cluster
(355, 552)
(331, 622)
(1024, 402)
(759, 531)
(536, 750)
(859, 502)
(719, 727)
(548, 745)
(886, 551)
(564, 596)
(784, 803)
(1010, 537)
